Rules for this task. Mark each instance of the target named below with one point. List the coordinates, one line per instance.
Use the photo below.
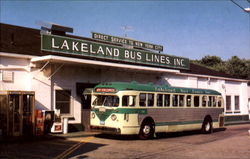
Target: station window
(63, 101)
(228, 103)
(159, 100)
(142, 100)
(196, 101)
(175, 100)
(150, 99)
(181, 100)
(125, 101)
(204, 101)
(167, 100)
(236, 103)
(188, 99)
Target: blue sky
(185, 28)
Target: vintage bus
(145, 109)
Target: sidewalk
(75, 134)
(49, 136)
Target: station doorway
(17, 113)
(85, 102)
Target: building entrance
(85, 102)
(17, 113)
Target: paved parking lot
(233, 143)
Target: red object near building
(39, 122)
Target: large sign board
(62, 44)
(126, 41)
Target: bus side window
(150, 99)
(204, 101)
(196, 101)
(159, 100)
(134, 101)
(214, 101)
(142, 100)
(167, 100)
(175, 100)
(188, 100)
(219, 101)
(181, 104)
(209, 101)
(125, 101)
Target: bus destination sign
(126, 41)
(86, 48)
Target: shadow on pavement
(117, 137)
(158, 135)
(38, 147)
(85, 148)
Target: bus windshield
(104, 100)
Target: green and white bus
(144, 109)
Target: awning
(69, 60)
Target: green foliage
(239, 68)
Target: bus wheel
(207, 126)
(146, 130)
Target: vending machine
(57, 126)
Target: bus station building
(53, 64)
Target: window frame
(160, 99)
(145, 100)
(183, 100)
(169, 100)
(187, 104)
(228, 103)
(70, 101)
(150, 101)
(204, 99)
(195, 96)
(237, 104)
(173, 100)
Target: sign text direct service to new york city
(68, 45)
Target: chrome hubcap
(146, 129)
(207, 127)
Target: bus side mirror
(131, 101)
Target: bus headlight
(113, 117)
(92, 115)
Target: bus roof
(122, 86)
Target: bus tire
(146, 130)
(207, 126)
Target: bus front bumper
(107, 130)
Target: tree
(211, 61)
(237, 67)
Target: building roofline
(14, 55)
(214, 77)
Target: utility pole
(244, 9)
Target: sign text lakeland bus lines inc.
(126, 41)
(68, 45)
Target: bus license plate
(102, 122)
